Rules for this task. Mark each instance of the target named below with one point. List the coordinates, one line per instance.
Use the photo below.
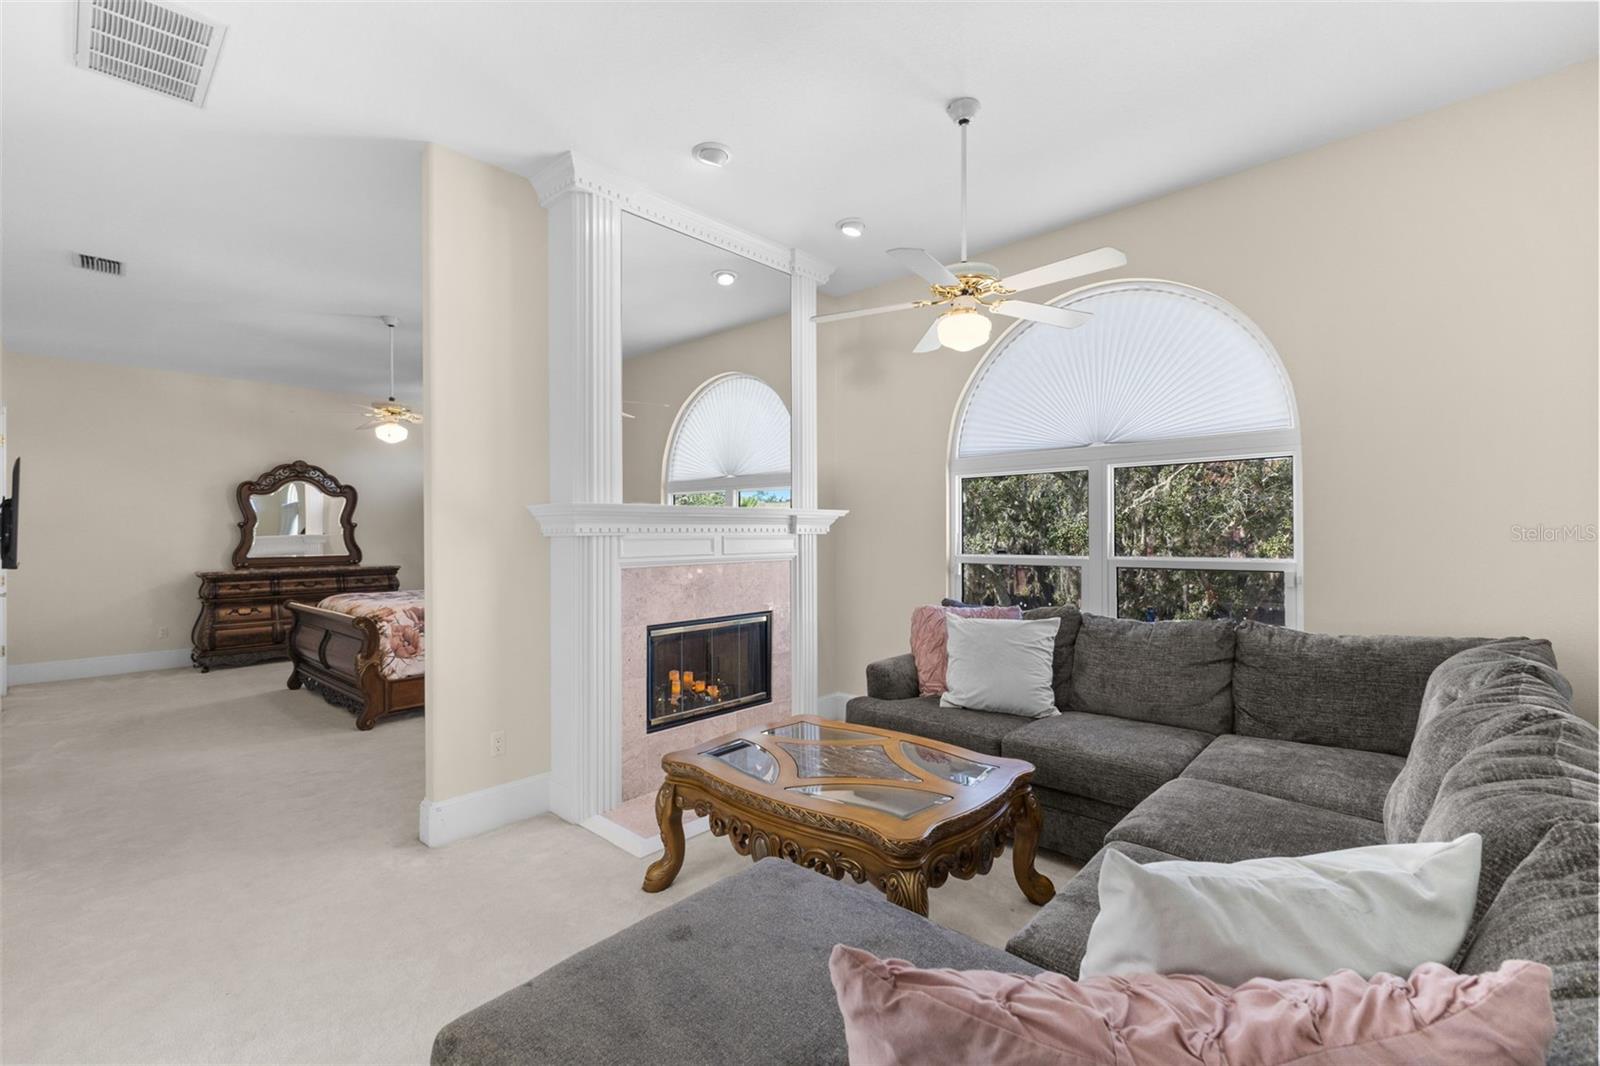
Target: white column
(585, 240)
(803, 483)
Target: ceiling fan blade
(930, 339)
(924, 266)
(864, 311)
(1064, 317)
(1067, 269)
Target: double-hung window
(1145, 465)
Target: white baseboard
(634, 844)
(446, 821)
(832, 705)
(99, 666)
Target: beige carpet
(210, 868)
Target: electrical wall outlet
(497, 742)
(162, 633)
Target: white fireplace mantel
(657, 519)
(662, 534)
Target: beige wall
(131, 476)
(669, 375)
(486, 458)
(1432, 289)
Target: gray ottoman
(736, 973)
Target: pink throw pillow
(896, 1013)
(928, 640)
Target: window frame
(732, 485)
(1098, 569)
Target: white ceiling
(254, 226)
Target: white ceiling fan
(972, 291)
(388, 419)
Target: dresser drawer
(242, 590)
(367, 582)
(231, 613)
(243, 636)
(308, 588)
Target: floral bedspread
(400, 626)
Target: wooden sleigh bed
(365, 656)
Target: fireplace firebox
(707, 666)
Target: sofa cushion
(735, 973)
(1066, 641)
(1335, 779)
(922, 716)
(1474, 697)
(1058, 934)
(1171, 673)
(1201, 820)
(1547, 912)
(1113, 760)
(1345, 692)
(1513, 791)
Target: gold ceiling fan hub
(978, 281)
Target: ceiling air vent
(100, 264)
(151, 45)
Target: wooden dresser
(242, 614)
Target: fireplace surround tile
(652, 595)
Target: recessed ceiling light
(851, 227)
(712, 154)
(724, 277)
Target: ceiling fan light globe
(964, 330)
(391, 432)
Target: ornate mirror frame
(271, 481)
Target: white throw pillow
(998, 664)
(1383, 909)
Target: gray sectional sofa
(1219, 742)
(1198, 740)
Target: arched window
(729, 446)
(1143, 465)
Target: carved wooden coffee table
(895, 809)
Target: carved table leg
(669, 816)
(1035, 885)
(907, 888)
(294, 678)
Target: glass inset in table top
(952, 768)
(814, 731)
(845, 760)
(889, 799)
(747, 758)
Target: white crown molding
(659, 519)
(572, 172)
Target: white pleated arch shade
(1158, 361)
(734, 433)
